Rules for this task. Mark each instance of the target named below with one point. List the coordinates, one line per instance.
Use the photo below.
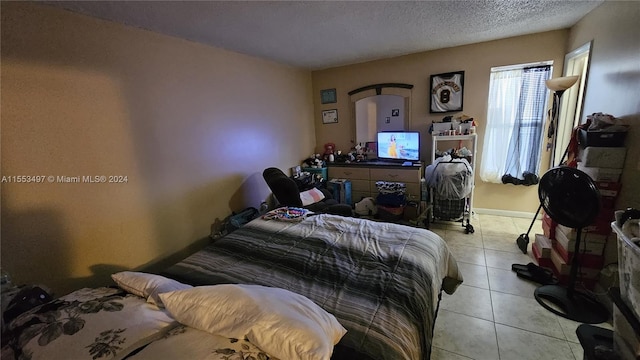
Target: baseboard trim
(518, 214)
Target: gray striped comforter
(381, 281)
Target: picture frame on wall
(330, 116)
(328, 96)
(446, 94)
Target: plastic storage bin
(601, 138)
(628, 269)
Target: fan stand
(574, 305)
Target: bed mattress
(382, 281)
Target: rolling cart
(450, 187)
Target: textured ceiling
(323, 34)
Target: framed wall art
(446, 92)
(330, 116)
(328, 96)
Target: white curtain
(503, 89)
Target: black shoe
(508, 179)
(529, 178)
(535, 273)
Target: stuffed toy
(314, 161)
(366, 207)
(329, 149)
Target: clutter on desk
(462, 152)
(460, 125)
(313, 161)
(329, 152)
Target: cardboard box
(564, 269)
(602, 223)
(603, 157)
(549, 227)
(571, 234)
(601, 174)
(592, 261)
(544, 246)
(597, 231)
(609, 189)
(544, 262)
(607, 202)
(547, 218)
(586, 247)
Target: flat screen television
(399, 146)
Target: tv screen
(399, 145)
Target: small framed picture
(328, 96)
(330, 116)
(395, 112)
(446, 92)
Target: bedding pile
(159, 318)
(382, 281)
(102, 323)
(325, 287)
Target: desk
(363, 176)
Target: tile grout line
(493, 314)
(453, 352)
(499, 253)
(566, 339)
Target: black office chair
(287, 193)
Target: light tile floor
(493, 314)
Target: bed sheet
(382, 281)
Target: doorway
(575, 63)
(379, 113)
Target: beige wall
(613, 85)
(476, 60)
(191, 126)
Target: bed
(381, 282)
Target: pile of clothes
(391, 200)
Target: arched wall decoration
(378, 87)
(399, 89)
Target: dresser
(364, 175)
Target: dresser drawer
(396, 175)
(348, 173)
(360, 185)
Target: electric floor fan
(570, 198)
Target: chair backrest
(283, 187)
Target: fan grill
(569, 197)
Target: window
(515, 120)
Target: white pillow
(281, 323)
(148, 286)
(311, 196)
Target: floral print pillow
(102, 323)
